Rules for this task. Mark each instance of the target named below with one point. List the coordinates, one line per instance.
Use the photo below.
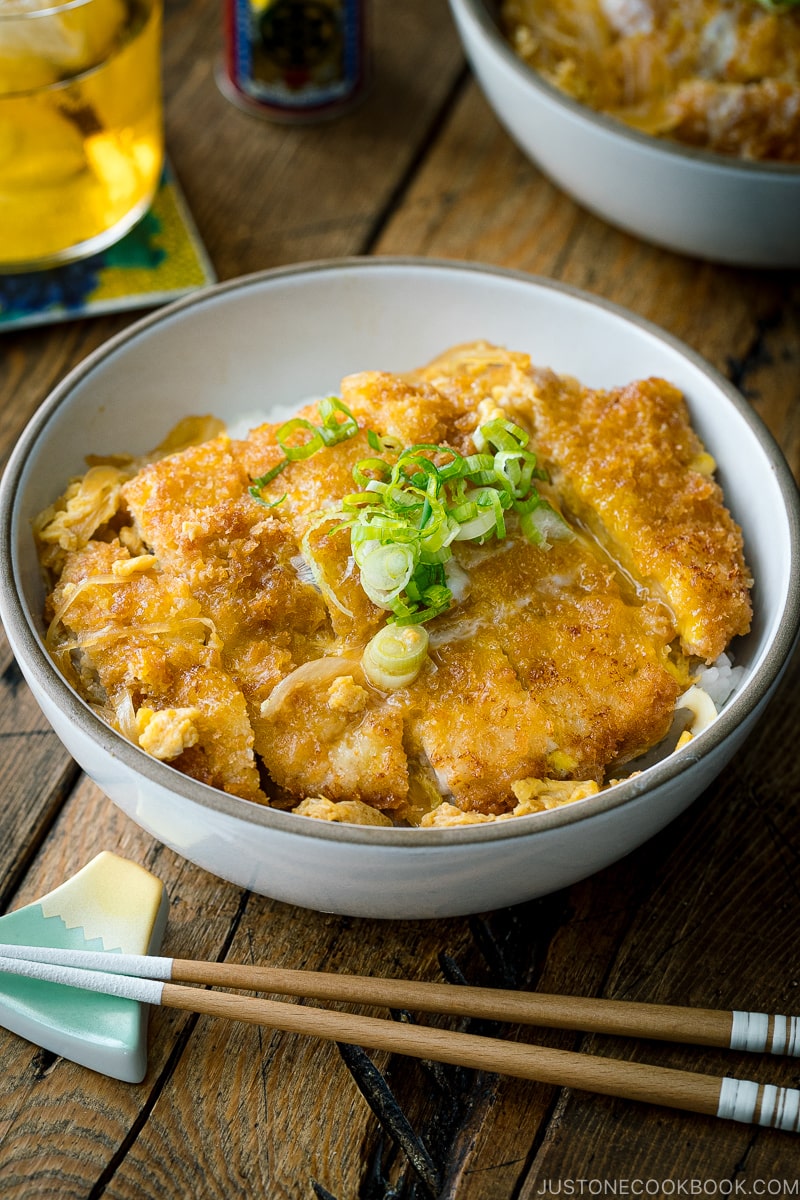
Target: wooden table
(707, 913)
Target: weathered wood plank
(33, 361)
(62, 1125)
(264, 194)
(37, 773)
(228, 1111)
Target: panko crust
(627, 462)
(194, 511)
(141, 640)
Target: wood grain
(704, 914)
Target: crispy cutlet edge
(720, 625)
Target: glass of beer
(81, 132)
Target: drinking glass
(81, 132)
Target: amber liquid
(80, 149)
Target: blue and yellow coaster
(113, 905)
(158, 260)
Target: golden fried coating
(311, 746)
(193, 510)
(138, 640)
(225, 635)
(628, 464)
(629, 461)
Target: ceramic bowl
(278, 338)
(699, 203)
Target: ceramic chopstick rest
(111, 905)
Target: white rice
(720, 680)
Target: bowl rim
(478, 11)
(22, 631)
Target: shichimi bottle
(295, 60)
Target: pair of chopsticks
(161, 980)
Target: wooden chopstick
(733, 1099)
(758, 1032)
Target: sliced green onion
(263, 480)
(477, 527)
(489, 497)
(394, 657)
(385, 571)
(527, 505)
(385, 443)
(376, 465)
(304, 449)
(437, 600)
(464, 512)
(410, 508)
(332, 430)
(357, 499)
(500, 433)
(478, 462)
(517, 467)
(259, 499)
(258, 485)
(414, 468)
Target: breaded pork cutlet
(506, 695)
(215, 609)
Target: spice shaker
(295, 60)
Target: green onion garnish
(299, 439)
(333, 430)
(393, 658)
(407, 513)
(258, 485)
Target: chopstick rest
(733, 1099)
(111, 903)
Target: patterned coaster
(111, 904)
(160, 259)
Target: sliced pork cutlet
(593, 659)
(544, 671)
(627, 464)
(310, 491)
(141, 648)
(194, 512)
(327, 732)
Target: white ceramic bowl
(699, 203)
(285, 335)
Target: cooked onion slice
(319, 670)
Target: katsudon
(461, 594)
